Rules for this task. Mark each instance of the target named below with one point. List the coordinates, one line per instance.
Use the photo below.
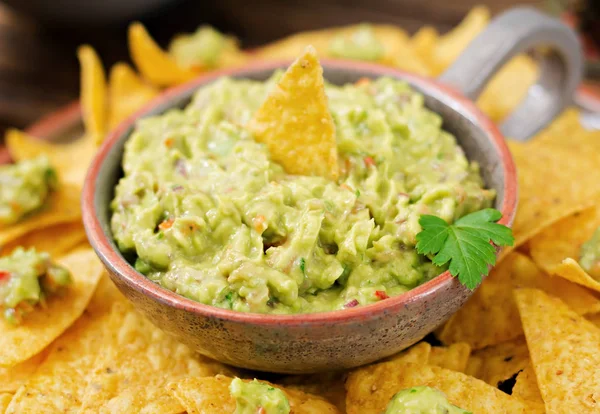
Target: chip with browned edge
(564, 351)
(212, 396)
(295, 123)
(44, 325)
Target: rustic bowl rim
(117, 265)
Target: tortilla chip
(12, 378)
(556, 248)
(4, 400)
(156, 65)
(490, 316)
(93, 93)
(508, 87)
(595, 319)
(124, 378)
(56, 240)
(500, 362)
(210, 395)
(62, 207)
(328, 385)
(40, 328)
(70, 160)
(567, 165)
(409, 61)
(59, 383)
(454, 357)
(417, 354)
(526, 386)
(371, 388)
(392, 38)
(423, 44)
(564, 351)
(452, 44)
(127, 93)
(295, 123)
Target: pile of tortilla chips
(527, 341)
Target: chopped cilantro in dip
(360, 45)
(589, 256)
(203, 211)
(258, 397)
(24, 187)
(422, 400)
(27, 279)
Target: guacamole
(203, 48)
(27, 279)
(24, 187)
(258, 397)
(589, 257)
(422, 400)
(360, 45)
(203, 211)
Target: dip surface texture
(203, 211)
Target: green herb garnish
(464, 244)
(303, 265)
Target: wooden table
(39, 70)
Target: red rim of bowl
(140, 283)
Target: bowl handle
(509, 34)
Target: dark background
(39, 71)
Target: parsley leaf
(465, 244)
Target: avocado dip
(203, 211)
(27, 280)
(422, 400)
(258, 397)
(24, 187)
(589, 258)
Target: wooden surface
(39, 70)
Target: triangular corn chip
(418, 354)
(454, 357)
(156, 65)
(210, 395)
(58, 385)
(127, 93)
(490, 316)
(124, 378)
(70, 160)
(5, 399)
(371, 388)
(93, 93)
(557, 247)
(564, 351)
(61, 207)
(498, 363)
(295, 123)
(42, 326)
(526, 386)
